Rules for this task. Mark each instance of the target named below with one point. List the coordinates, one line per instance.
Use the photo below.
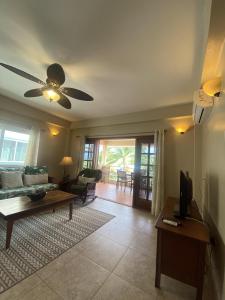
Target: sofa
(34, 179)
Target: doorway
(116, 159)
(144, 172)
(127, 166)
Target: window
(88, 155)
(13, 146)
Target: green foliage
(123, 156)
(118, 158)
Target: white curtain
(158, 179)
(81, 153)
(33, 146)
(77, 153)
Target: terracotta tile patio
(110, 192)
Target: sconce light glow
(51, 95)
(213, 87)
(180, 130)
(54, 131)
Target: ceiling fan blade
(22, 73)
(77, 94)
(33, 93)
(56, 74)
(64, 101)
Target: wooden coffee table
(16, 208)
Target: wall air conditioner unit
(200, 114)
(202, 106)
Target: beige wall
(211, 170)
(137, 117)
(212, 187)
(51, 148)
(179, 155)
(51, 151)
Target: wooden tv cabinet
(181, 250)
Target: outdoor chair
(105, 174)
(123, 179)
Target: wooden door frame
(95, 142)
(138, 202)
(142, 203)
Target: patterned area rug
(39, 239)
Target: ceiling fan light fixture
(52, 89)
(51, 95)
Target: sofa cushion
(35, 179)
(84, 180)
(45, 187)
(78, 188)
(27, 190)
(11, 180)
(91, 173)
(10, 169)
(34, 170)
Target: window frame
(90, 153)
(3, 128)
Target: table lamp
(65, 162)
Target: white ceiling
(130, 55)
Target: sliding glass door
(144, 167)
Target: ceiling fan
(52, 89)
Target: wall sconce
(213, 87)
(54, 131)
(180, 130)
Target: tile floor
(116, 262)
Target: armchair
(83, 186)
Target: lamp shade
(66, 161)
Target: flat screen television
(185, 196)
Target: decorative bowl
(37, 196)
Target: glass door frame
(92, 159)
(137, 200)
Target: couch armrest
(53, 180)
(66, 185)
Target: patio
(114, 155)
(110, 192)
(116, 160)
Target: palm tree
(117, 158)
(122, 156)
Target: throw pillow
(10, 169)
(35, 179)
(11, 180)
(84, 180)
(35, 170)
